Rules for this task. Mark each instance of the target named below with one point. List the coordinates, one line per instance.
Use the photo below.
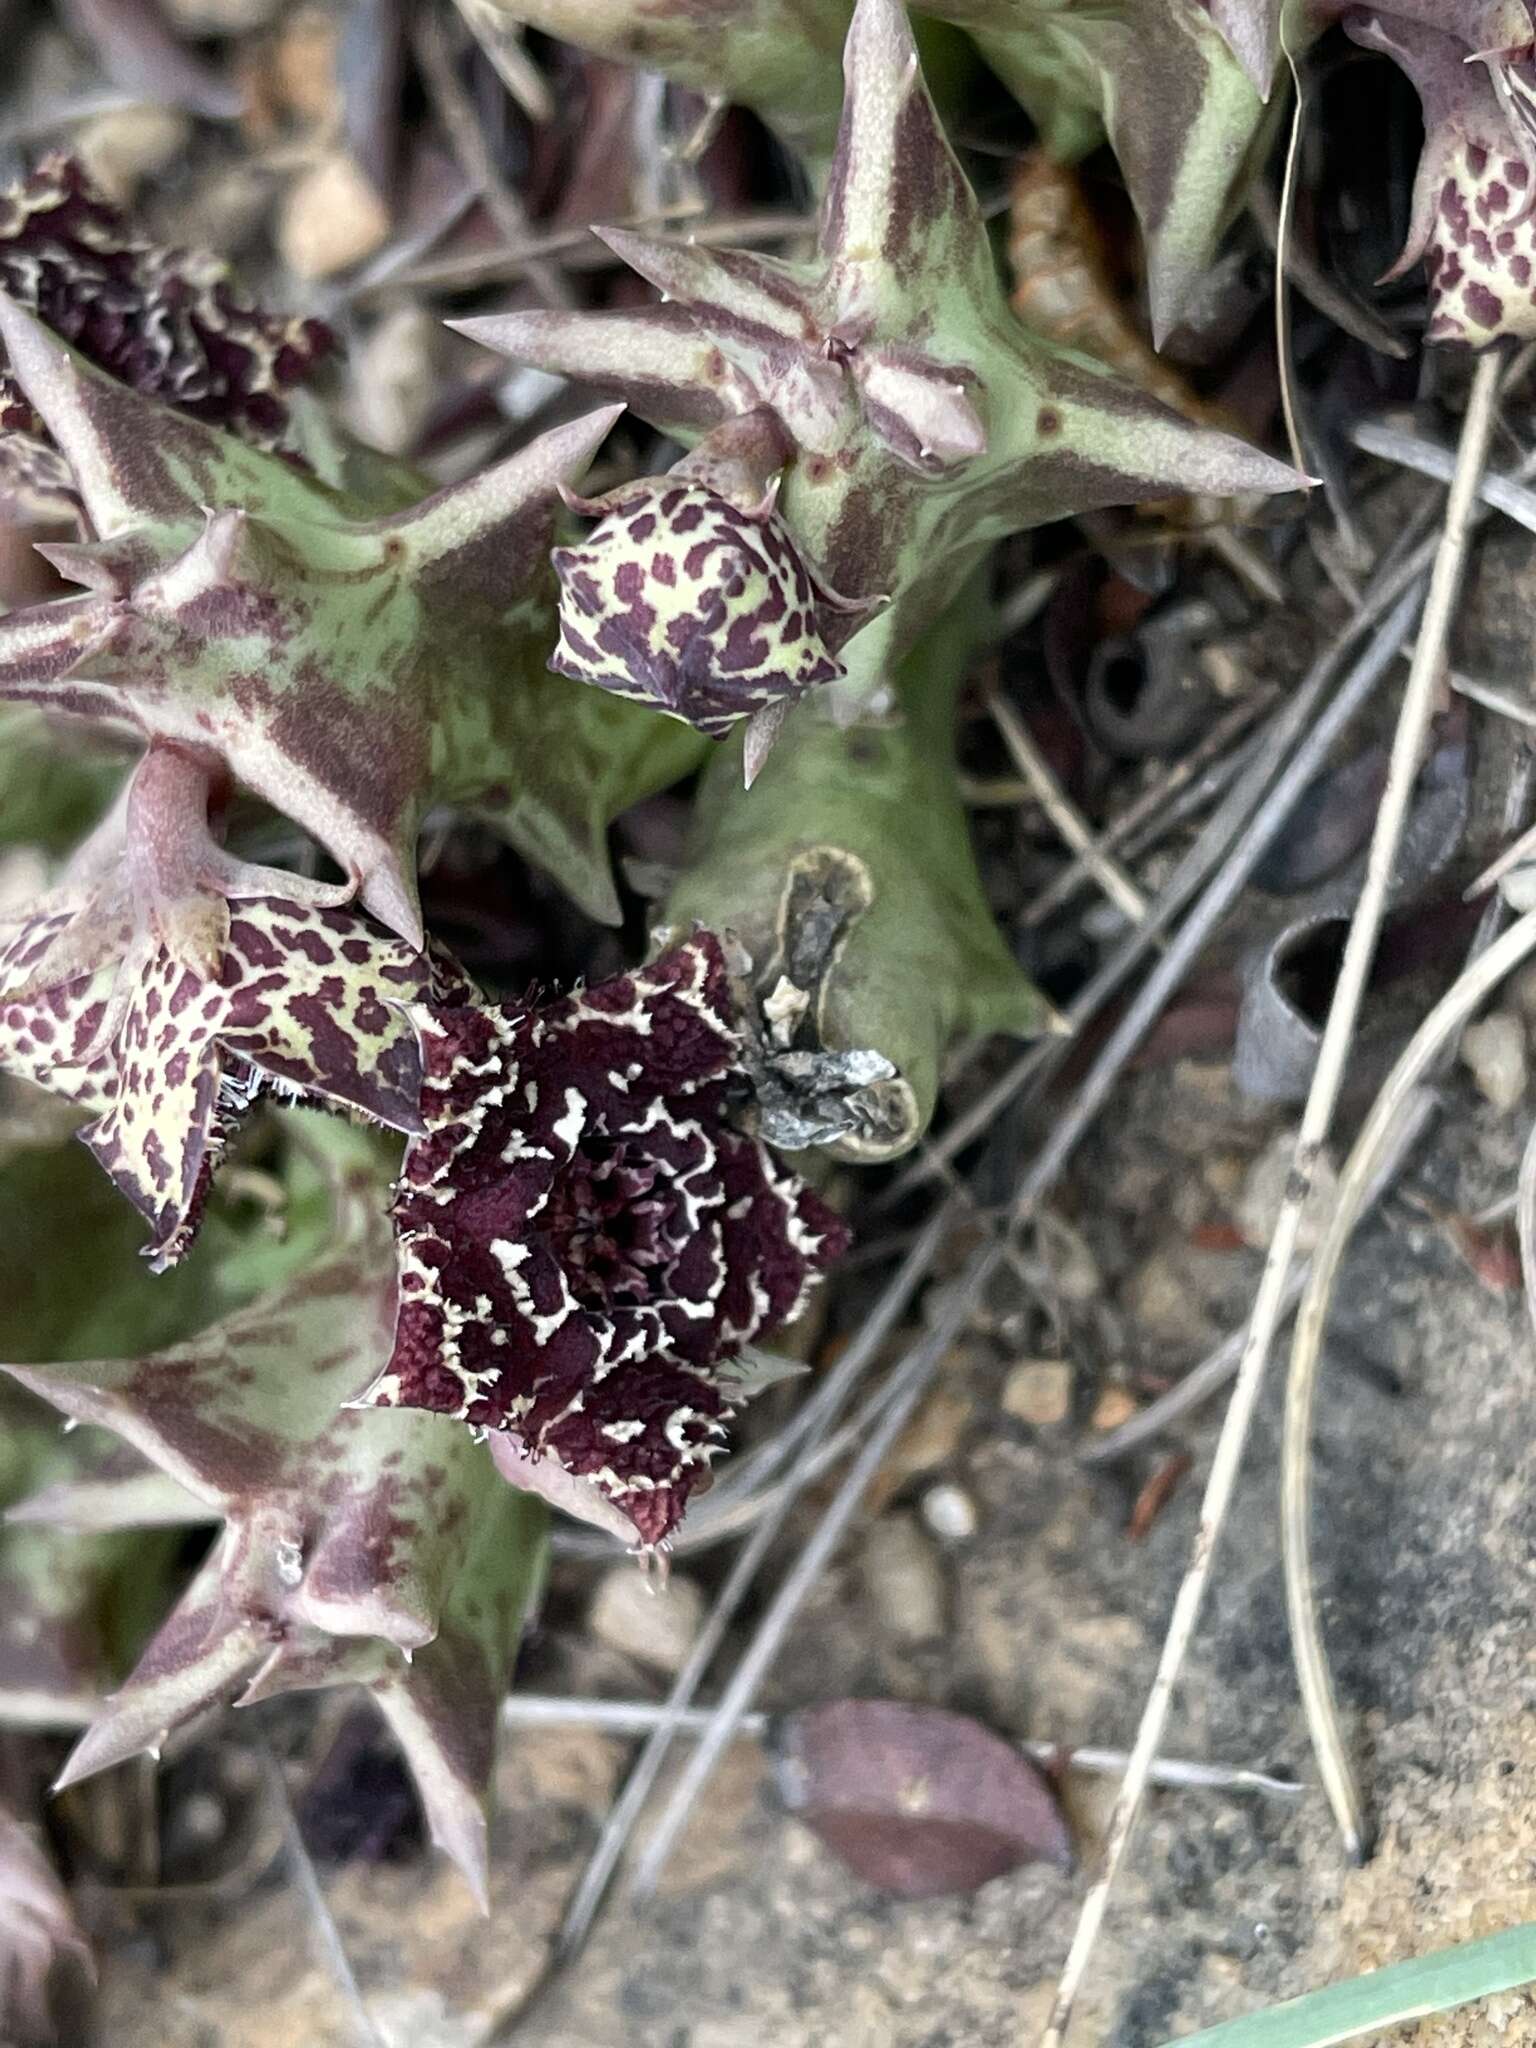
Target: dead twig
(307, 1878)
(821, 1413)
(456, 110)
(1062, 812)
(903, 1392)
(1429, 1041)
(640, 1717)
(1506, 494)
(1317, 1117)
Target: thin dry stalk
(1525, 1221)
(1395, 1101)
(1317, 1117)
(1506, 494)
(307, 1878)
(1062, 812)
(1167, 801)
(903, 1392)
(1228, 848)
(817, 1419)
(639, 1717)
(456, 110)
(1216, 1370)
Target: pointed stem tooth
(389, 891)
(107, 433)
(101, 568)
(470, 512)
(763, 728)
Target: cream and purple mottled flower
(304, 999)
(683, 601)
(170, 322)
(587, 1242)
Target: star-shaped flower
(357, 1547)
(588, 1242)
(142, 992)
(922, 422)
(352, 669)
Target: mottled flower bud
(683, 601)
(1473, 198)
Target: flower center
(608, 1220)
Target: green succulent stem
(848, 870)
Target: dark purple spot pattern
(169, 322)
(682, 601)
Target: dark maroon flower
(169, 322)
(587, 1242)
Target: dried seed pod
(914, 1799)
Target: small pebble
(656, 1627)
(222, 17)
(1039, 1392)
(903, 1579)
(1223, 1173)
(950, 1513)
(1158, 1298)
(1494, 1050)
(1258, 1207)
(1523, 988)
(304, 66)
(395, 377)
(1113, 1407)
(330, 219)
(121, 149)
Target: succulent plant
(76, 1605)
(589, 1242)
(1177, 86)
(357, 1547)
(778, 57)
(847, 877)
(47, 1972)
(918, 422)
(354, 670)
